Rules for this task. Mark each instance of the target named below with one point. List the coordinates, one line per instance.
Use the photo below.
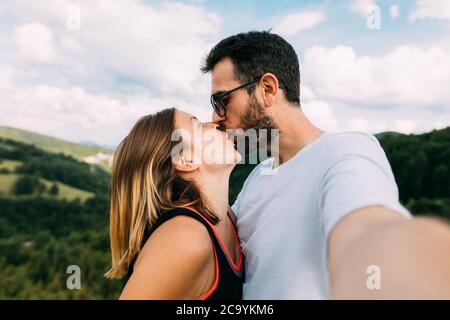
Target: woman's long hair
(144, 186)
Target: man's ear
(185, 166)
(269, 84)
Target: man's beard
(256, 118)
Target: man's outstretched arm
(411, 257)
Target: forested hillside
(421, 165)
(53, 213)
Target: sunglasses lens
(217, 106)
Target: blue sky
(126, 58)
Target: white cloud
(337, 118)
(321, 114)
(306, 93)
(294, 23)
(394, 11)
(402, 125)
(6, 72)
(361, 6)
(35, 43)
(78, 115)
(402, 90)
(161, 46)
(431, 9)
(405, 125)
(358, 124)
(407, 76)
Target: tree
(54, 190)
(440, 181)
(25, 185)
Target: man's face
(243, 110)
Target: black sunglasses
(216, 99)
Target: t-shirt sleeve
(354, 173)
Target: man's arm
(412, 256)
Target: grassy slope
(78, 151)
(6, 182)
(11, 165)
(65, 191)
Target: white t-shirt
(285, 215)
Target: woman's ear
(183, 165)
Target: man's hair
(255, 53)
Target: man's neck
(296, 132)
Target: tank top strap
(219, 245)
(186, 212)
(191, 212)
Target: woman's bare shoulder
(172, 261)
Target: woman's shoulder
(181, 229)
(179, 236)
(173, 262)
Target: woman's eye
(225, 101)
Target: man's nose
(216, 118)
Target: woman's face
(203, 144)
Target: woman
(170, 229)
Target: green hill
(87, 153)
(18, 160)
(9, 165)
(65, 192)
(53, 213)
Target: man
(328, 222)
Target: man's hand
(412, 255)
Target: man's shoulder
(351, 142)
(351, 137)
(345, 146)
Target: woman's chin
(233, 159)
(237, 157)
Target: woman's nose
(211, 125)
(216, 118)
